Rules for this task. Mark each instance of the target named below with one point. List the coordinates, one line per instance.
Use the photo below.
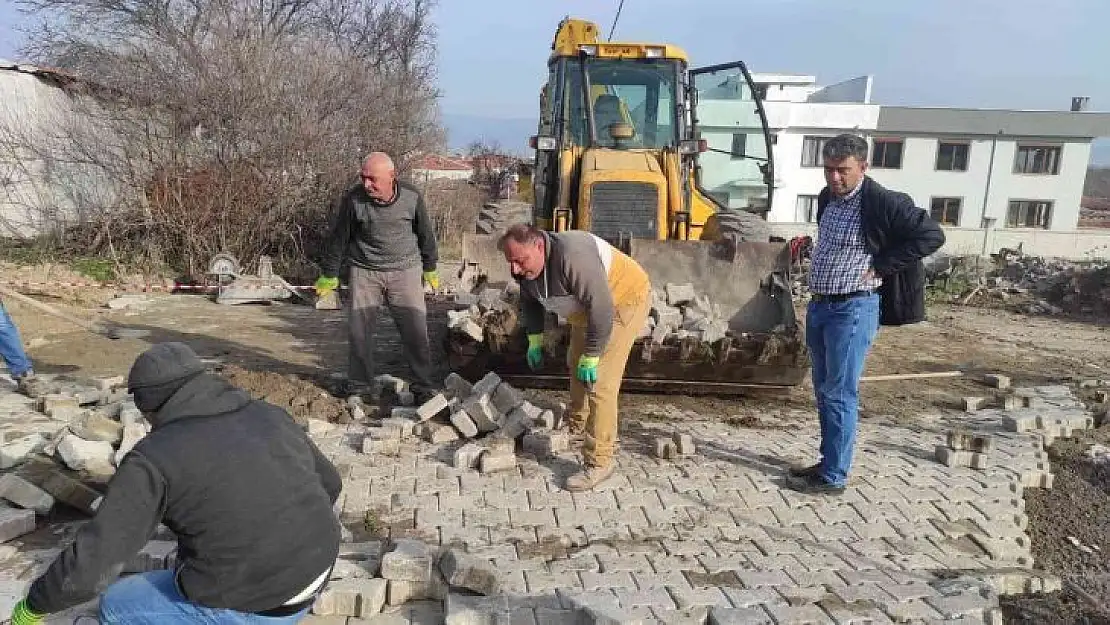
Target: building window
(946, 210)
(811, 151)
(1037, 159)
(887, 154)
(806, 211)
(952, 156)
(1029, 214)
(739, 142)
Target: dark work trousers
(402, 292)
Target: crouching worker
(247, 493)
(605, 297)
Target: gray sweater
(381, 237)
(575, 279)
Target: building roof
(57, 76)
(964, 121)
(436, 162)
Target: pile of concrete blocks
(85, 425)
(679, 312)
(964, 448)
(369, 580)
(489, 415)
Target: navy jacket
(898, 235)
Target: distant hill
(1097, 184)
(1100, 153)
(511, 134)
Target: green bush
(99, 269)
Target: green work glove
(22, 615)
(325, 285)
(431, 278)
(535, 350)
(587, 369)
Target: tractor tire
(739, 225)
(495, 217)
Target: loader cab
(618, 143)
(633, 103)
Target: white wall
(919, 178)
(1065, 189)
(425, 175)
(1086, 244)
(44, 179)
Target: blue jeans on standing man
(153, 599)
(839, 334)
(11, 346)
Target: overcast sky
(976, 53)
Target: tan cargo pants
(595, 411)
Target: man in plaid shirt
(866, 270)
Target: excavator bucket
(748, 283)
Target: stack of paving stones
(711, 536)
(485, 420)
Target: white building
(991, 177)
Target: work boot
(589, 477)
(814, 484)
(28, 384)
(805, 471)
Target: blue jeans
(11, 346)
(838, 335)
(153, 599)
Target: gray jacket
(381, 237)
(575, 279)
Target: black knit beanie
(159, 372)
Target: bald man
(382, 228)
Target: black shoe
(804, 471)
(813, 484)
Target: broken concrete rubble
(94, 457)
(15, 452)
(25, 494)
(462, 570)
(15, 522)
(409, 560)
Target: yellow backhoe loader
(617, 153)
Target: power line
(615, 18)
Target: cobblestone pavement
(707, 538)
(715, 537)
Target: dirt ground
(292, 355)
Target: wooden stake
(911, 376)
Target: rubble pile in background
(1032, 284)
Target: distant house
(438, 167)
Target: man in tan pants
(605, 297)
